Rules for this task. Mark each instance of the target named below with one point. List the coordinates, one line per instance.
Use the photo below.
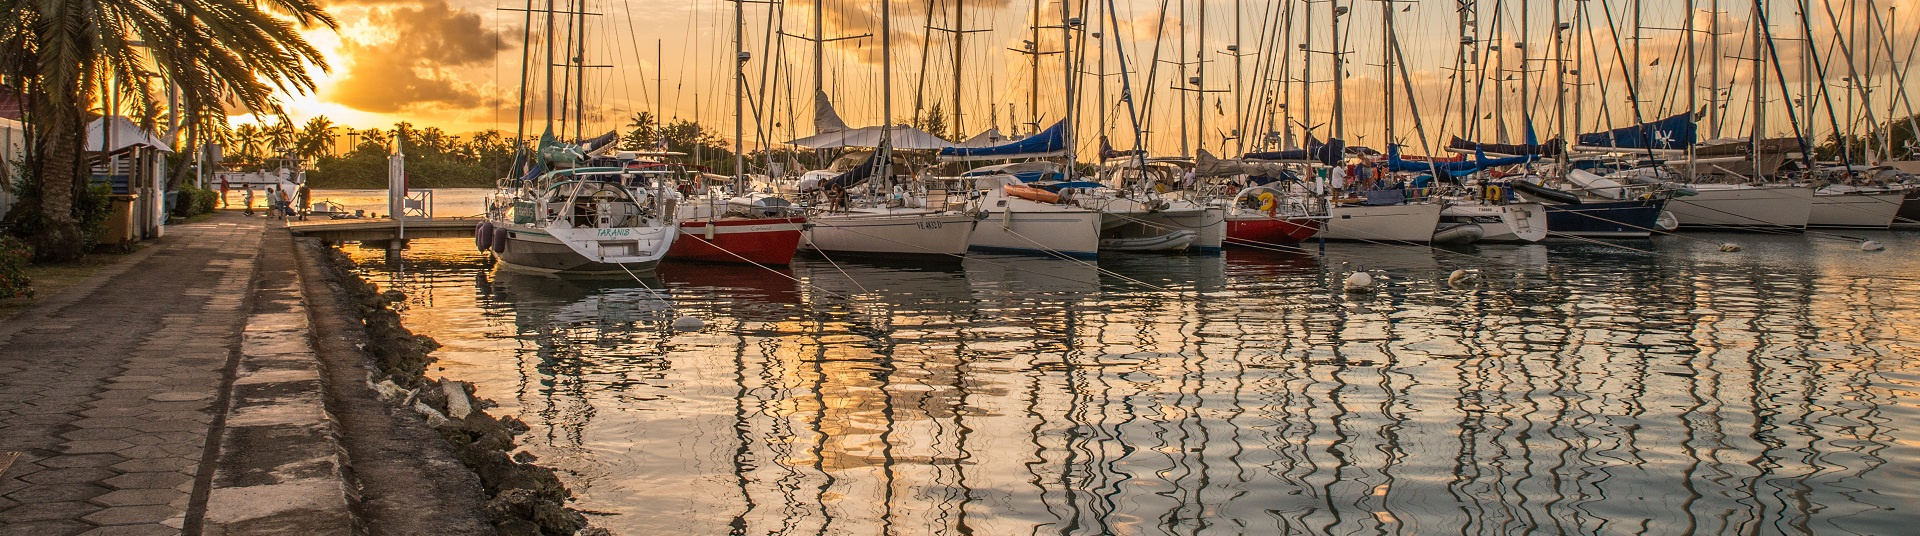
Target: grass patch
(50, 279)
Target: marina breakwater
(521, 496)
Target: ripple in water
(1577, 388)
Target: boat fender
(1462, 278)
(499, 240)
(483, 236)
(1358, 282)
(689, 323)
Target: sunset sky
(456, 64)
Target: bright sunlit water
(1658, 386)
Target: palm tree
(248, 140)
(316, 139)
(211, 52)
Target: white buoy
(1462, 278)
(1870, 245)
(1729, 247)
(689, 323)
(1359, 282)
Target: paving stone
(46, 511)
(127, 515)
(56, 527)
(133, 530)
(43, 493)
(74, 475)
(96, 446)
(151, 465)
(154, 480)
(138, 497)
(98, 434)
(83, 460)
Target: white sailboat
(584, 221)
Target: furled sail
(1673, 133)
(1048, 143)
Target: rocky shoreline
(521, 497)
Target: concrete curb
(280, 468)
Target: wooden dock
(379, 230)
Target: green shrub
(14, 255)
(184, 200)
(205, 201)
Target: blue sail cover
(1329, 153)
(1677, 132)
(1465, 167)
(1049, 142)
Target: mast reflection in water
(1578, 389)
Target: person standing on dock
(249, 200)
(306, 201)
(223, 192)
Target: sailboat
(1020, 211)
(870, 212)
(580, 220)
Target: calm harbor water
(1670, 388)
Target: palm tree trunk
(60, 181)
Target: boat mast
(1339, 75)
(1306, 71)
(549, 96)
(1067, 70)
(1526, 86)
(1033, 95)
(520, 124)
(1463, 9)
(1239, 76)
(580, 69)
(1200, 82)
(1386, 72)
(1897, 75)
(1560, 86)
(886, 82)
(739, 97)
(1693, 75)
(1713, 70)
(1759, 88)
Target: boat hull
(930, 235)
(1909, 210)
(1027, 227)
(537, 252)
(1856, 210)
(1261, 230)
(764, 241)
(1387, 223)
(1609, 219)
(1513, 222)
(1744, 208)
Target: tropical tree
(641, 134)
(211, 52)
(248, 141)
(316, 139)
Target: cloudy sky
(457, 64)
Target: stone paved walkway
(111, 390)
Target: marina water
(1659, 386)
